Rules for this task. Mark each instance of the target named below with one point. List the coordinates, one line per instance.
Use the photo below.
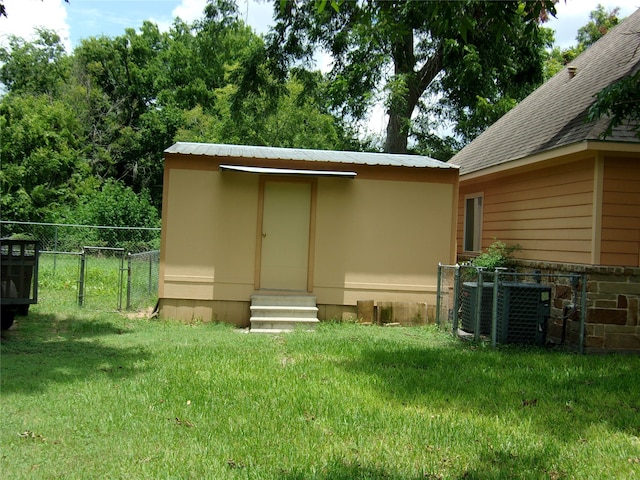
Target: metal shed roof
(307, 155)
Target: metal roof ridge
(307, 154)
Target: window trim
(476, 241)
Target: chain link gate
(101, 278)
(142, 278)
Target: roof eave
(564, 151)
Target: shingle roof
(306, 155)
(554, 115)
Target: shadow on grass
(563, 394)
(42, 349)
(342, 471)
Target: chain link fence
(96, 267)
(510, 307)
(142, 279)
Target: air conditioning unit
(523, 310)
(470, 297)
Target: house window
(473, 223)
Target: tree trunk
(397, 132)
(417, 82)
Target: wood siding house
(545, 178)
(342, 227)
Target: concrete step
(285, 300)
(283, 313)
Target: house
(242, 222)
(545, 178)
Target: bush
(499, 254)
(117, 205)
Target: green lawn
(88, 395)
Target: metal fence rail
(509, 307)
(94, 266)
(59, 237)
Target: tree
(599, 24)
(457, 52)
(42, 168)
(38, 67)
(41, 137)
(72, 125)
(117, 205)
(128, 125)
(619, 102)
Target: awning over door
(287, 171)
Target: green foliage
(600, 22)
(117, 205)
(620, 103)
(559, 58)
(38, 67)
(498, 254)
(473, 121)
(42, 168)
(109, 110)
(455, 51)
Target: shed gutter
(287, 171)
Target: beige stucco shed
(341, 226)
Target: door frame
(313, 182)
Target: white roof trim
(287, 171)
(260, 154)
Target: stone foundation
(613, 306)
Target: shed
(342, 227)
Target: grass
(100, 395)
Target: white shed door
(285, 235)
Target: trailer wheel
(7, 318)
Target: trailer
(19, 278)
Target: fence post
(583, 312)
(477, 315)
(438, 293)
(81, 282)
(120, 282)
(55, 248)
(456, 299)
(150, 271)
(494, 309)
(128, 281)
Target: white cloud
(23, 16)
(189, 10)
